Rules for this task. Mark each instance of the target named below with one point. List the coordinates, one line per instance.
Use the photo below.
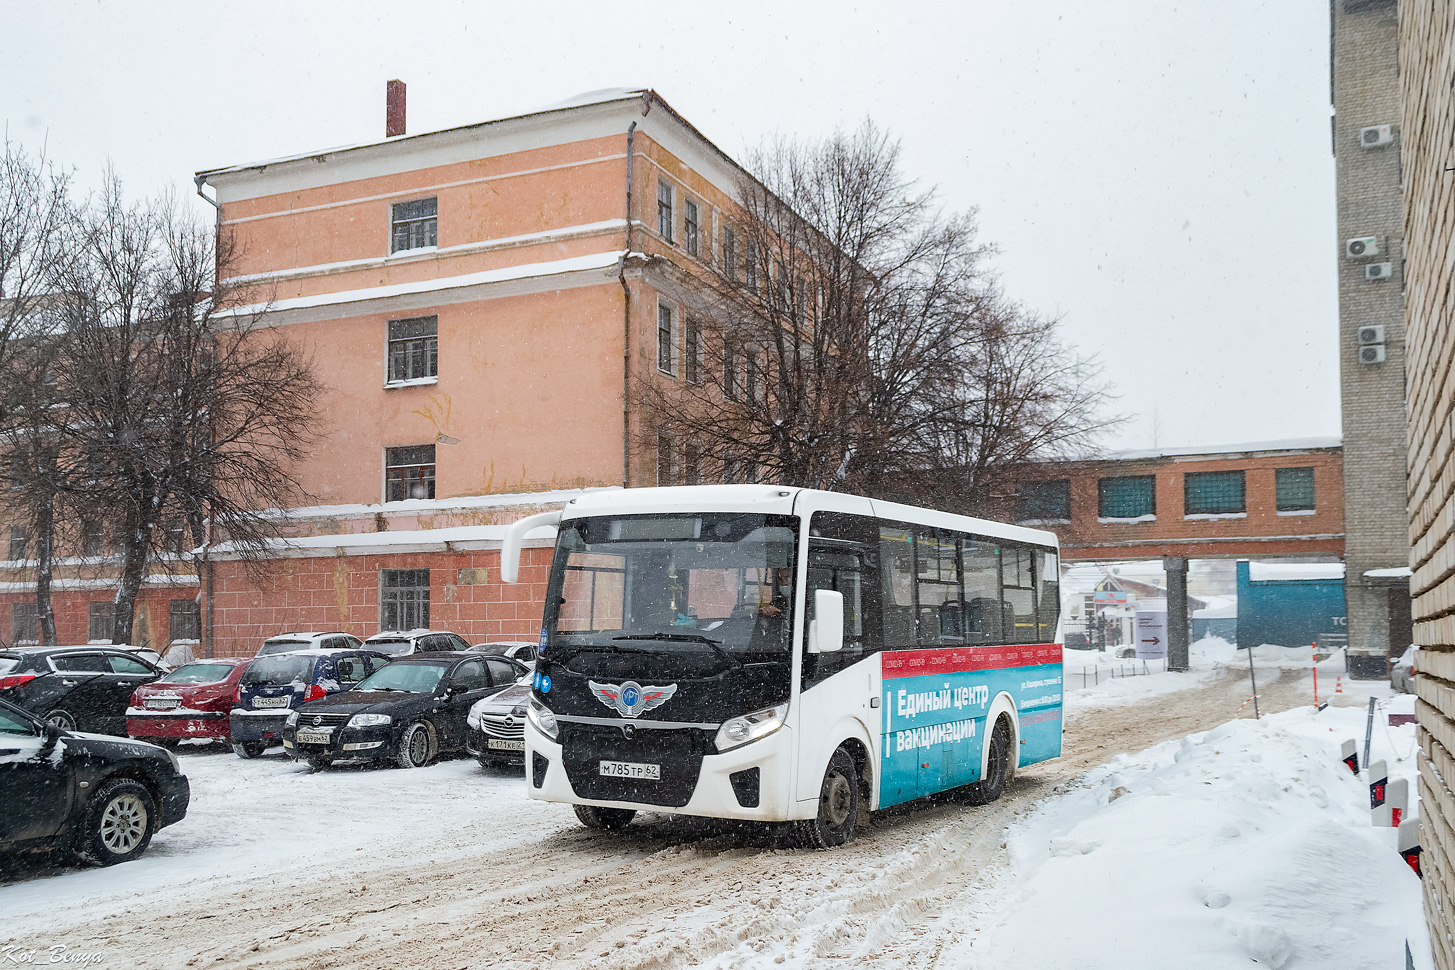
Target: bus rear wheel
(838, 806)
(608, 819)
(997, 767)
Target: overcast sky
(1157, 173)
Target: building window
(689, 226)
(730, 372)
(692, 465)
(752, 376)
(750, 267)
(730, 254)
(100, 621)
(403, 599)
(184, 620)
(1212, 493)
(408, 473)
(666, 460)
(1044, 501)
(18, 541)
(1128, 497)
(174, 536)
(732, 471)
(413, 349)
(93, 540)
(693, 351)
(413, 225)
(1295, 489)
(666, 340)
(664, 209)
(24, 623)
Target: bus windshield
(711, 582)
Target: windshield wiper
(716, 645)
(566, 651)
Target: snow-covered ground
(1250, 844)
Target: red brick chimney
(394, 109)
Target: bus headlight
(738, 731)
(542, 718)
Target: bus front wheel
(604, 818)
(838, 805)
(997, 767)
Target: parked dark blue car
(274, 685)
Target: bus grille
(679, 754)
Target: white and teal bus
(786, 655)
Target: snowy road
(452, 866)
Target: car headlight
(472, 720)
(543, 719)
(370, 720)
(292, 718)
(738, 731)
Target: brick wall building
(1364, 86)
(1427, 37)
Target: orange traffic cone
(1339, 685)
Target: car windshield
(287, 668)
(415, 678)
(720, 582)
(281, 646)
(199, 673)
(393, 646)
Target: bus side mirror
(826, 632)
(515, 538)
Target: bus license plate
(314, 737)
(631, 769)
(494, 745)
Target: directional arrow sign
(1151, 635)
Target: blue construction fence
(1292, 611)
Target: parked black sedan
(75, 688)
(97, 799)
(409, 712)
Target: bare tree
(185, 412)
(852, 338)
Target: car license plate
(495, 745)
(161, 703)
(271, 701)
(631, 769)
(320, 736)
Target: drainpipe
(207, 575)
(201, 180)
(626, 334)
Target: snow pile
(1248, 845)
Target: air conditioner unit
(1371, 355)
(1371, 334)
(1375, 136)
(1378, 271)
(1362, 247)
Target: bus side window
(843, 570)
(1018, 578)
(1048, 569)
(896, 558)
(937, 575)
(982, 591)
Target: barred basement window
(100, 620)
(1295, 489)
(413, 349)
(184, 620)
(408, 472)
(1213, 493)
(24, 623)
(413, 225)
(664, 209)
(1126, 497)
(403, 599)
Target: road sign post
(1151, 635)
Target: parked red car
(192, 701)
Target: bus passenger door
(837, 685)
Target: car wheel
(416, 746)
(838, 805)
(319, 762)
(62, 719)
(997, 767)
(606, 819)
(248, 749)
(120, 820)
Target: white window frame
(673, 330)
(666, 214)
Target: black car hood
(109, 748)
(368, 702)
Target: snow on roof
(1270, 571)
(558, 496)
(599, 96)
(465, 537)
(553, 267)
(1398, 572)
(1280, 444)
(1218, 608)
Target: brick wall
(1427, 37)
(1366, 93)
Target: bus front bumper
(726, 787)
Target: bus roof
(787, 500)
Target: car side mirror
(454, 689)
(52, 734)
(826, 632)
